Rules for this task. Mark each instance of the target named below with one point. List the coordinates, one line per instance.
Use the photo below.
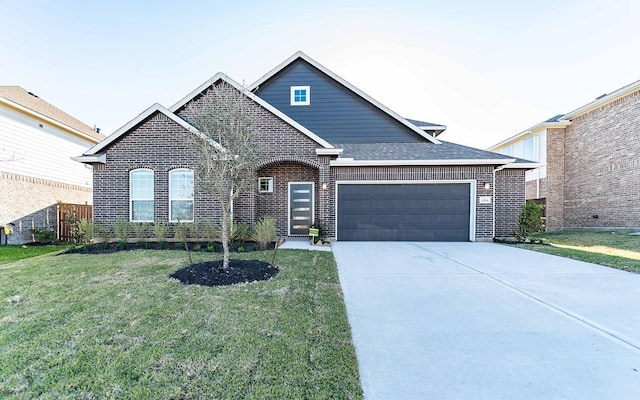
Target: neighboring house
(37, 141)
(330, 154)
(590, 157)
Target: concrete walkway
(302, 244)
(486, 321)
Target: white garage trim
(472, 197)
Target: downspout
(493, 219)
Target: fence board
(67, 212)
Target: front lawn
(115, 326)
(14, 252)
(613, 249)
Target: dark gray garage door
(404, 212)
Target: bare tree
(227, 149)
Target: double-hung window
(141, 195)
(181, 195)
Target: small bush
(161, 230)
(83, 231)
(162, 245)
(43, 235)
(140, 229)
(530, 220)
(122, 245)
(209, 231)
(102, 231)
(181, 232)
(197, 247)
(212, 247)
(122, 229)
(241, 232)
(322, 231)
(264, 231)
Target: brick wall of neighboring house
(32, 202)
(509, 200)
(536, 189)
(602, 166)
(555, 178)
(482, 174)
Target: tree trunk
(225, 240)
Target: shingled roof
(20, 96)
(416, 151)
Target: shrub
(212, 247)
(241, 232)
(122, 245)
(102, 231)
(530, 220)
(264, 231)
(140, 229)
(122, 229)
(209, 231)
(163, 245)
(322, 231)
(83, 231)
(43, 235)
(161, 230)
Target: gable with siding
(335, 113)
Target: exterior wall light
(324, 185)
(487, 186)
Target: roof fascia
(252, 96)
(613, 96)
(531, 131)
(141, 117)
(44, 118)
(529, 165)
(92, 159)
(346, 84)
(350, 162)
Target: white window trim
(192, 199)
(131, 200)
(300, 103)
(270, 184)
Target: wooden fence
(67, 213)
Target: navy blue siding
(336, 114)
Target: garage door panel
(416, 212)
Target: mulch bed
(210, 273)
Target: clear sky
(486, 69)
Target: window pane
(181, 185)
(142, 210)
(182, 210)
(141, 184)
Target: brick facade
(34, 203)
(507, 205)
(509, 200)
(593, 168)
(161, 144)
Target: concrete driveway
(486, 321)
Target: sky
(487, 70)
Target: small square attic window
(300, 96)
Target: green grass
(112, 326)
(617, 250)
(18, 252)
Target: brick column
(555, 178)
